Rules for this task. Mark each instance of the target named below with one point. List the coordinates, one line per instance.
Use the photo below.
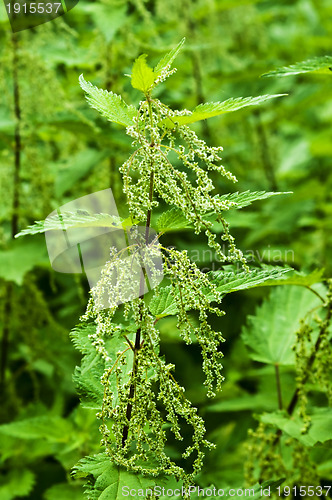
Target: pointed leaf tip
(318, 65)
(168, 58)
(109, 105)
(142, 76)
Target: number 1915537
(304, 490)
(33, 8)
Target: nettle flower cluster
(142, 404)
(178, 162)
(149, 403)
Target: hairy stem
(138, 333)
(132, 385)
(137, 347)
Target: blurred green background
(66, 151)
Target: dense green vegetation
(271, 422)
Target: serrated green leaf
(16, 483)
(320, 65)
(20, 258)
(270, 334)
(320, 429)
(110, 482)
(210, 109)
(87, 376)
(163, 304)
(87, 382)
(80, 337)
(168, 58)
(298, 279)
(79, 218)
(142, 76)
(172, 220)
(109, 105)
(229, 279)
(240, 200)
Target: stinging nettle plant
(133, 389)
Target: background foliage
(67, 151)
